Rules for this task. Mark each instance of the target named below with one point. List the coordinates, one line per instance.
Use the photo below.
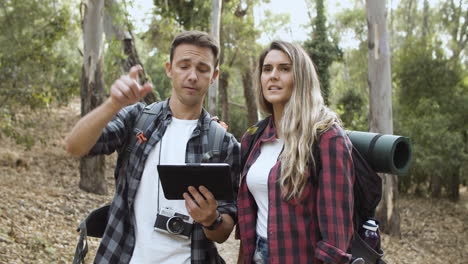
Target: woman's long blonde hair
(304, 117)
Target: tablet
(216, 177)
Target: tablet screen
(216, 177)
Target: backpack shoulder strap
(216, 135)
(367, 188)
(255, 131)
(146, 117)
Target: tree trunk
(122, 32)
(458, 18)
(249, 94)
(380, 114)
(425, 27)
(436, 186)
(223, 96)
(388, 209)
(455, 185)
(215, 25)
(410, 17)
(457, 173)
(92, 177)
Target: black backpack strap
(256, 132)
(216, 135)
(146, 117)
(367, 191)
(371, 146)
(82, 246)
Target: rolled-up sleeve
(115, 133)
(335, 198)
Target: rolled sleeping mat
(384, 153)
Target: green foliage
(237, 113)
(190, 15)
(39, 59)
(349, 93)
(353, 111)
(113, 58)
(238, 49)
(272, 22)
(238, 122)
(322, 51)
(352, 22)
(430, 86)
(349, 96)
(454, 17)
(238, 35)
(432, 112)
(155, 67)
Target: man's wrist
(215, 223)
(113, 106)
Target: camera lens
(175, 225)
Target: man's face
(192, 72)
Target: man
(177, 136)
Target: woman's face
(277, 78)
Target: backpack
(95, 223)
(367, 191)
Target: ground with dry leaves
(41, 206)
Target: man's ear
(215, 75)
(168, 69)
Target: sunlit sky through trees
(297, 30)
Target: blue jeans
(261, 251)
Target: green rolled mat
(384, 153)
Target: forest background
(41, 60)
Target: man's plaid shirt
(118, 241)
(314, 228)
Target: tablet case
(216, 177)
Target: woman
(296, 194)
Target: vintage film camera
(169, 221)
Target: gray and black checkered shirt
(118, 241)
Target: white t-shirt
(154, 246)
(257, 180)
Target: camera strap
(159, 163)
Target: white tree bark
(92, 88)
(380, 116)
(215, 25)
(92, 37)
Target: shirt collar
(269, 134)
(203, 120)
(166, 110)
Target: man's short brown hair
(197, 38)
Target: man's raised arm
(124, 91)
